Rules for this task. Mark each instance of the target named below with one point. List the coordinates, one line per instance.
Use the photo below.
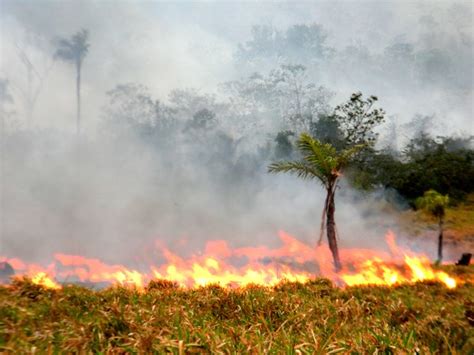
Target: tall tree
(34, 53)
(357, 119)
(74, 50)
(284, 146)
(285, 94)
(322, 162)
(435, 204)
(300, 99)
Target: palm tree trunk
(78, 98)
(323, 220)
(331, 228)
(440, 242)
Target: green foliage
(444, 164)
(323, 162)
(357, 119)
(319, 160)
(326, 129)
(315, 317)
(373, 169)
(433, 202)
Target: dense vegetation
(291, 318)
(445, 164)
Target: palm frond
(319, 160)
(321, 156)
(433, 202)
(300, 169)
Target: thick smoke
(116, 189)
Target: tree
(326, 129)
(132, 111)
(35, 82)
(132, 104)
(299, 98)
(306, 44)
(435, 204)
(285, 93)
(357, 119)
(284, 146)
(203, 120)
(187, 102)
(74, 50)
(445, 164)
(34, 54)
(323, 162)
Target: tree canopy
(433, 202)
(73, 49)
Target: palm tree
(322, 162)
(435, 204)
(75, 50)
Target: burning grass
(262, 266)
(288, 317)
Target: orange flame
(263, 266)
(415, 268)
(375, 272)
(42, 279)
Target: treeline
(444, 164)
(231, 141)
(204, 125)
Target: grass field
(316, 317)
(458, 229)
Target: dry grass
(289, 318)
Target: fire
(42, 279)
(211, 271)
(261, 265)
(375, 272)
(94, 270)
(414, 268)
